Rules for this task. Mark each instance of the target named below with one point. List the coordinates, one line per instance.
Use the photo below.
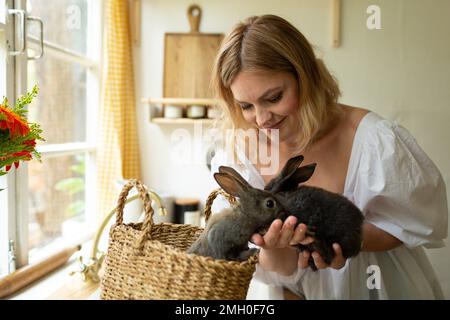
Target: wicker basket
(149, 261)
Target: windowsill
(59, 284)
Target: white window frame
(8, 182)
(18, 180)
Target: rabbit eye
(270, 203)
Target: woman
(270, 81)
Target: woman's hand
(283, 235)
(337, 263)
(277, 253)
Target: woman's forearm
(375, 239)
(282, 261)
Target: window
(6, 89)
(67, 75)
(54, 200)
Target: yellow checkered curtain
(118, 152)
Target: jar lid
(187, 201)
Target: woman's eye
(275, 98)
(246, 106)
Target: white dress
(399, 190)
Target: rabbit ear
(277, 183)
(231, 172)
(292, 165)
(230, 184)
(302, 174)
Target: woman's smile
(277, 125)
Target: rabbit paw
(244, 255)
(312, 264)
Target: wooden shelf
(184, 102)
(182, 121)
(181, 101)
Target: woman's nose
(263, 116)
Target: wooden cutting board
(189, 59)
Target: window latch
(11, 257)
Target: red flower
(8, 167)
(14, 123)
(30, 143)
(23, 155)
(16, 164)
(18, 137)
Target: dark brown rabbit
(329, 216)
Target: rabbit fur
(227, 233)
(329, 217)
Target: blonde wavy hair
(270, 43)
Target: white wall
(401, 72)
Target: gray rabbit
(329, 217)
(227, 233)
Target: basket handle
(145, 197)
(209, 201)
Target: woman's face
(268, 100)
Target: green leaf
(75, 208)
(78, 168)
(25, 100)
(70, 185)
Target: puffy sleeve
(291, 282)
(399, 189)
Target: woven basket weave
(149, 261)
